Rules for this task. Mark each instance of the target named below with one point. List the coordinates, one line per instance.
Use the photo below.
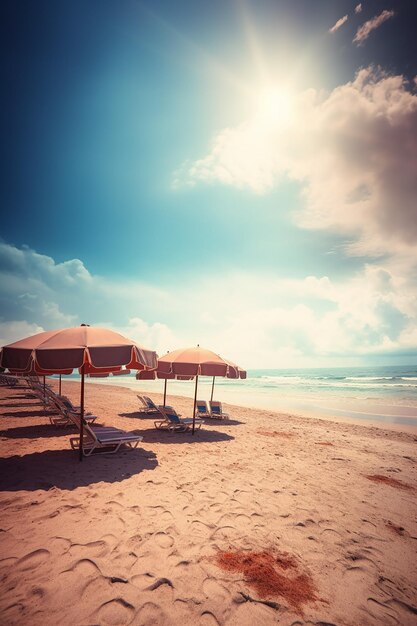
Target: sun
(275, 106)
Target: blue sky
(236, 174)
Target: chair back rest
(76, 420)
(151, 404)
(67, 403)
(202, 406)
(215, 406)
(170, 414)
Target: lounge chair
(202, 409)
(148, 405)
(173, 422)
(216, 410)
(103, 439)
(65, 410)
(69, 406)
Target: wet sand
(259, 519)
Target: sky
(236, 174)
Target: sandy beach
(263, 518)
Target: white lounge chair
(148, 405)
(65, 410)
(202, 409)
(103, 439)
(216, 410)
(173, 422)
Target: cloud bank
(352, 151)
(263, 320)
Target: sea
(380, 395)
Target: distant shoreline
(397, 418)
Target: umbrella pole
(212, 389)
(60, 384)
(44, 395)
(195, 401)
(82, 414)
(165, 391)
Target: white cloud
(253, 319)
(338, 24)
(13, 331)
(364, 31)
(156, 335)
(358, 8)
(265, 320)
(353, 152)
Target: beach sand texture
(324, 512)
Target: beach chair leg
(75, 443)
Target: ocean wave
(388, 382)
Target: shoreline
(138, 537)
(405, 422)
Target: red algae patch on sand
(387, 480)
(272, 574)
(275, 433)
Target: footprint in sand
(6, 563)
(229, 533)
(208, 619)
(13, 614)
(163, 540)
(115, 504)
(331, 535)
(165, 518)
(33, 559)
(93, 549)
(59, 545)
(83, 574)
(116, 612)
(125, 560)
(150, 614)
(213, 589)
(200, 529)
(381, 612)
(134, 542)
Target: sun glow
(275, 106)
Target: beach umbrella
(86, 348)
(153, 374)
(234, 372)
(196, 362)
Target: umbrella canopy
(153, 374)
(195, 362)
(71, 348)
(198, 362)
(234, 372)
(90, 349)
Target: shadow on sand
(35, 413)
(62, 469)
(200, 436)
(19, 404)
(222, 421)
(141, 415)
(157, 417)
(38, 430)
(25, 396)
